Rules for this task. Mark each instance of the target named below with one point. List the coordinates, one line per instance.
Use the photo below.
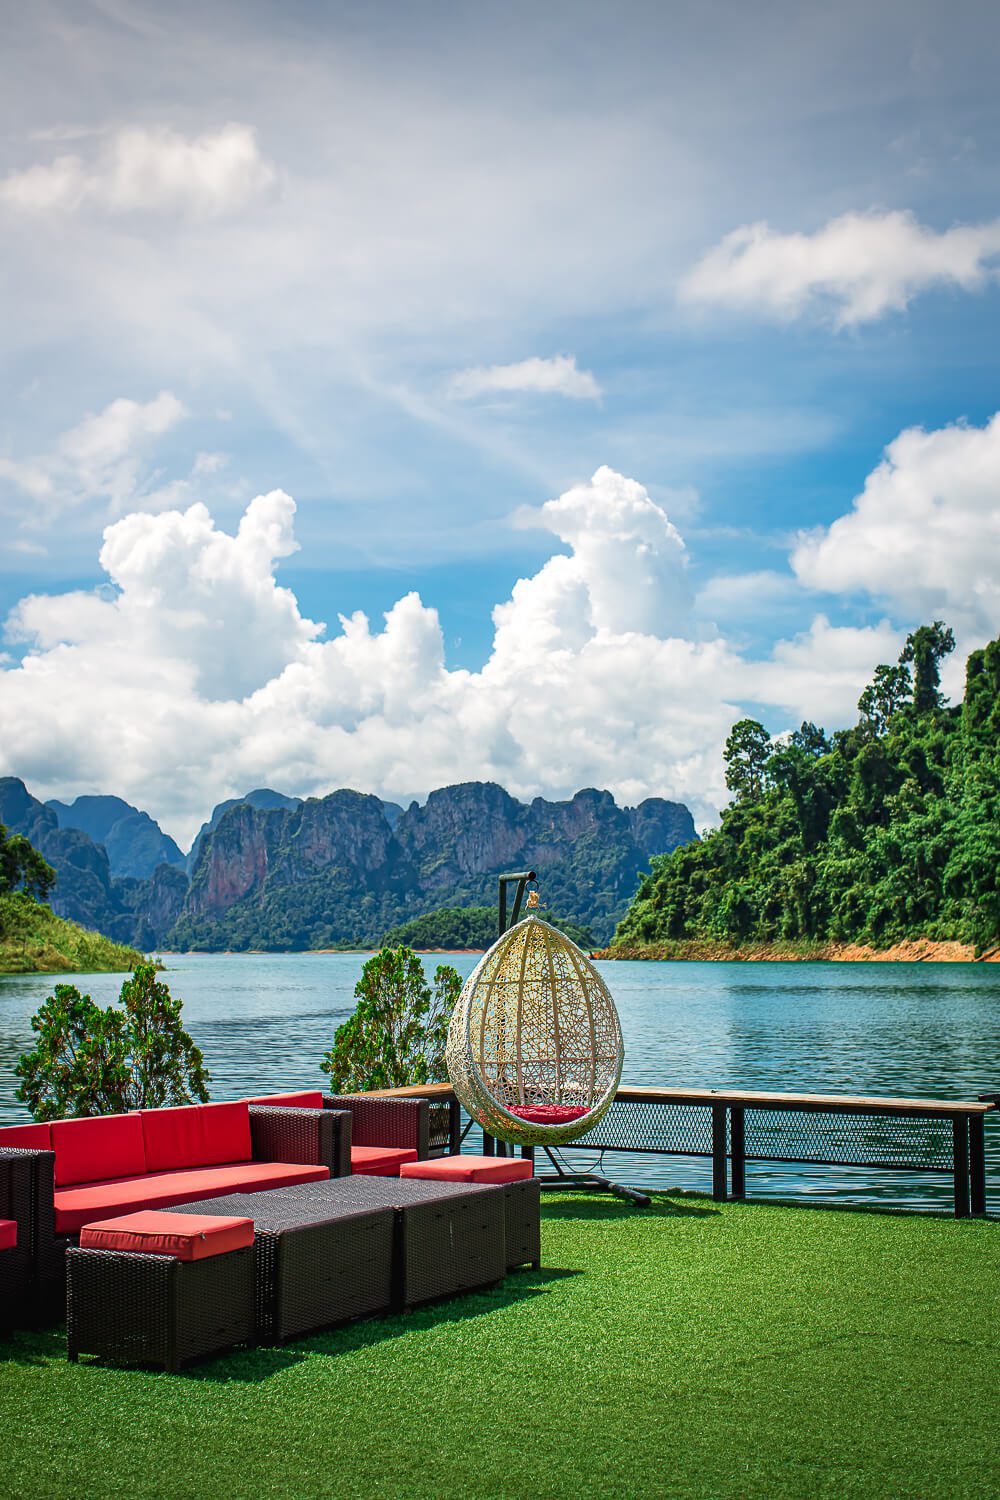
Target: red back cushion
(8, 1234)
(26, 1137)
(308, 1099)
(196, 1135)
(95, 1149)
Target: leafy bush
(398, 1031)
(92, 1061)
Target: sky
(402, 394)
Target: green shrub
(398, 1031)
(92, 1061)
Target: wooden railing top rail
(751, 1098)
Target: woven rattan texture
(17, 1265)
(385, 1122)
(843, 1139)
(535, 1024)
(320, 1259)
(152, 1309)
(311, 1136)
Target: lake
(263, 1022)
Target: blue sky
(425, 268)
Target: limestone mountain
(279, 873)
(135, 844)
(342, 869)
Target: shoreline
(909, 951)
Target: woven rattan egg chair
(535, 1046)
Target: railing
(736, 1127)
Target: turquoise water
(263, 1022)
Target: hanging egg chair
(535, 1046)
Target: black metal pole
(960, 1149)
(977, 1164)
(521, 879)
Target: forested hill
(886, 831)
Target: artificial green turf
(689, 1349)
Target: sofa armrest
(386, 1122)
(317, 1137)
(27, 1189)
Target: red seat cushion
(307, 1099)
(184, 1236)
(470, 1169)
(549, 1114)
(195, 1135)
(26, 1137)
(102, 1146)
(8, 1234)
(380, 1161)
(76, 1206)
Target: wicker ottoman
(521, 1192)
(157, 1288)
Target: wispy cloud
(144, 170)
(557, 376)
(858, 266)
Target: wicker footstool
(521, 1193)
(319, 1260)
(155, 1288)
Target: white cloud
(196, 676)
(859, 266)
(99, 458)
(924, 534)
(148, 170)
(557, 376)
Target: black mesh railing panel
(923, 1145)
(675, 1129)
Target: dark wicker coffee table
(318, 1260)
(353, 1247)
(450, 1236)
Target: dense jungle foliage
(884, 831)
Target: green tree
(884, 697)
(23, 868)
(745, 755)
(926, 648)
(89, 1060)
(399, 1029)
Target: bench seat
(83, 1203)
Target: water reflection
(264, 1021)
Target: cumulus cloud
(193, 675)
(858, 266)
(148, 170)
(558, 376)
(924, 534)
(99, 458)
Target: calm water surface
(263, 1022)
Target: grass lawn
(691, 1349)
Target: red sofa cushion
(549, 1114)
(26, 1137)
(379, 1161)
(184, 1236)
(76, 1206)
(470, 1169)
(195, 1135)
(96, 1148)
(307, 1099)
(8, 1234)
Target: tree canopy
(887, 830)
